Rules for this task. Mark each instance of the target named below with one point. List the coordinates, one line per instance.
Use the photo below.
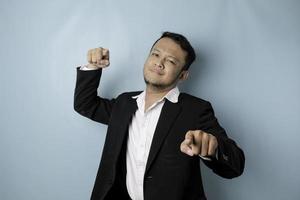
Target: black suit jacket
(169, 174)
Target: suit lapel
(124, 119)
(166, 119)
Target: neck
(154, 94)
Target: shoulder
(196, 105)
(187, 99)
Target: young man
(156, 137)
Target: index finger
(187, 141)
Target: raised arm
(86, 100)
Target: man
(156, 137)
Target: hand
(198, 142)
(98, 58)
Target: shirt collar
(172, 95)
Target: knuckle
(213, 139)
(199, 133)
(188, 134)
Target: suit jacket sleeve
(231, 160)
(86, 100)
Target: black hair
(184, 44)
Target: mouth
(156, 71)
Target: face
(163, 67)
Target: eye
(172, 62)
(154, 54)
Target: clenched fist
(98, 58)
(198, 142)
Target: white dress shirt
(140, 136)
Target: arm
(86, 101)
(231, 159)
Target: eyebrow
(154, 49)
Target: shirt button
(225, 157)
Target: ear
(184, 75)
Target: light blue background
(248, 67)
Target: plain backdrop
(248, 67)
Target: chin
(156, 84)
(152, 81)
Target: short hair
(184, 44)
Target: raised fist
(98, 58)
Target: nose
(160, 64)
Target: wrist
(91, 67)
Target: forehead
(168, 46)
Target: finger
(98, 55)
(204, 144)
(186, 149)
(105, 54)
(197, 142)
(212, 146)
(189, 135)
(188, 141)
(104, 63)
(89, 56)
(94, 56)
(189, 138)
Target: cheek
(172, 74)
(147, 65)
(169, 68)
(148, 62)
